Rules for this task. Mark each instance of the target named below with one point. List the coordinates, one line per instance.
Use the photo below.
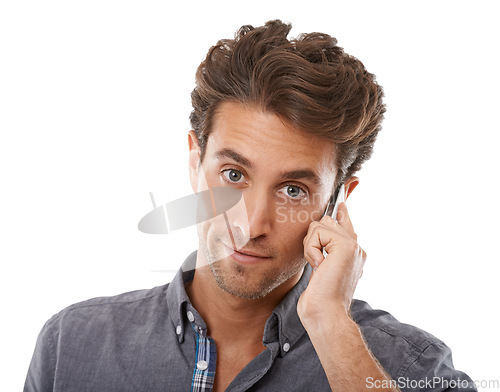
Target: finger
(314, 243)
(319, 237)
(314, 257)
(344, 221)
(326, 222)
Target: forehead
(266, 140)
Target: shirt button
(202, 365)
(190, 316)
(178, 330)
(286, 347)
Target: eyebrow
(300, 175)
(228, 153)
(289, 175)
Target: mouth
(245, 256)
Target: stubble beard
(238, 281)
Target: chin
(248, 283)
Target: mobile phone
(333, 204)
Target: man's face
(286, 177)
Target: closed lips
(249, 253)
(245, 252)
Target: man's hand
(334, 281)
(324, 306)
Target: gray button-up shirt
(155, 340)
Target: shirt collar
(283, 325)
(177, 299)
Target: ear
(350, 184)
(194, 160)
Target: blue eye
(294, 191)
(233, 175)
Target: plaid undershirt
(206, 356)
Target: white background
(95, 99)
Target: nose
(256, 219)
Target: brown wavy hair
(308, 81)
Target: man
(259, 306)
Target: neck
(226, 315)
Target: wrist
(332, 319)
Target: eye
(294, 191)
(233, 175)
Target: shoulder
(402, 349)
(120, 299)
(134, 305)
(77, 338)
(379, 325)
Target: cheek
(292, 234)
